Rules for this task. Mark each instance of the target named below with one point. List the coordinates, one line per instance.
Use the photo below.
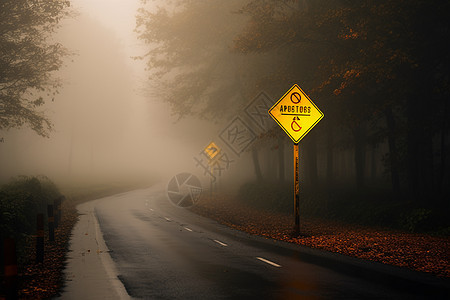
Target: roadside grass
(373, 207)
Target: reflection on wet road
(165, 252)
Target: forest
(377, 69)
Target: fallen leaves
(43, 280)
(419, 252)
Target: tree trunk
(426, 168)
(281, 164)
(70, 158)
(442, 167)
(412, 150)
(360, 155)
(330, 155)
(419, 153)
(256, 165)
(311, 152)
(373, 162)
(393, 154)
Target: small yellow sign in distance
(212, 150)
(296, 113)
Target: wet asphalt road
(165, 252)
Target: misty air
(241, 149)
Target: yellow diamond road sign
(212, 150)
(296, 113)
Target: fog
(112, 123)
(107, 123)
(154, 91)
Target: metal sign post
(296, 190)
(212, 150)
(297, 115)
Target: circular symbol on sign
(184, 190)
(295, 97)
(294, 125)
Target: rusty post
(10, 268)
(51, 223)
(60, 200)
(40, 238)
(296, 191)
(55, 213)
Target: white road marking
(220, 243)
(188, 229)
(106, 259)
(268, 262)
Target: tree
(28, 59)
(401, 55)
(190, 61)
(189, 57)
(375, 62)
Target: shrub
(20, 200)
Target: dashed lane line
(220, 243)
(268, 262)
(225, 245)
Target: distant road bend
(165, 252)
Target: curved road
(164, 252)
